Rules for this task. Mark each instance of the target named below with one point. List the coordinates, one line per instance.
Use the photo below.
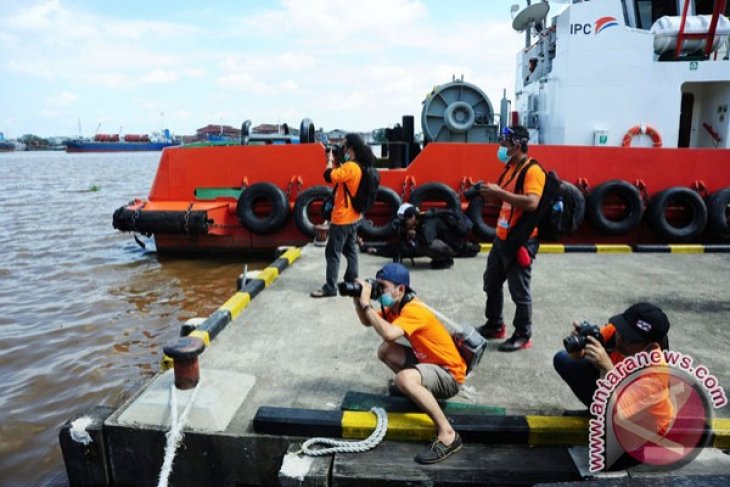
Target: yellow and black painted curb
(229, 311)
(626, 249)
(530, 430)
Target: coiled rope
(341, 446)
(175, 435)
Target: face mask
(386, 300)
(346, 156)
(502, 154)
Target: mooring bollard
(184, 353)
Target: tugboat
(625, 99)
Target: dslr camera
(354, 289)
(576, 343)
(473, 191)
(336, 150)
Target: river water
(84, 310)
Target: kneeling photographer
(431, 367)
(591, 352)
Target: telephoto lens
(473, 191)
(354, 289)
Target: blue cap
(395, 273)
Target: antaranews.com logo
(655, 408)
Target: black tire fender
(481, 228)
(718, 205)
(631, 198)
(302, 204)
(435, 192)
(382, 232)
(689, 199)
(269, 223)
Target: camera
(576, 343)
(354, 288)
(336, 150)
(473, 191)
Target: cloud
(160, 76)
(62, 99)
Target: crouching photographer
(431, 367)
(591, 352)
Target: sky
(138, 66)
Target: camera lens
(574, 343)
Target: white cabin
(605, 66)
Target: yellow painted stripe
(292, 254)
(236, 304)
(613, 249)
(202, 334)
(485, 247)
(557, 430)
(721, 428)
(268, 275)
(401, 426)
(552, 249)
(166, 363)
(686, 249)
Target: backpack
(364, 197)
(561, 209)
(457, 221)
(470, 344)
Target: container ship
(127, 143)
(625, 99)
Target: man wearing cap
(431, 368)
(502, 264)
(643, 327)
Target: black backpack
(457, 221)
(561, 209)
(364, 197)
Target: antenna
(530, 16)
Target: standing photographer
(345, 219)
(431, 368)
(591, 353)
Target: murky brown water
(84, 311)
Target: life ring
(474, 212)
(718, 218)
(629, 196)
(691, 204)
(302, 207)
(382, 232)
(656, 139)
(435, 192)
(274, 219)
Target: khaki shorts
(435, 378)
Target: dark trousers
(579, 374)
(500, 269)
(342, 240)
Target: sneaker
(514, 343)
(438, 452)
(492, 333)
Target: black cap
(642, 322)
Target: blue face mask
(346, 156)
(502, 154)
(386, 300)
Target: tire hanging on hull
(270, 222)
(435, 192)
(301, 207)
(718, 217)
(481, 228)
(631, 199)
(682, 197)
(382, 232)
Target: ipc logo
(596, 28)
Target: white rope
(175, 435)
(341, 446)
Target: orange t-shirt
(534, 184)
(431, 341)
(348, 174)
(646, 402)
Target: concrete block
(221, 394)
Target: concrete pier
(287, 350)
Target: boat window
(706, 7)
(648, 11)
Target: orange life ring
(642, 129)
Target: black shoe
(321, 293)
(514, 343)
(491, 333)
(438, 452)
